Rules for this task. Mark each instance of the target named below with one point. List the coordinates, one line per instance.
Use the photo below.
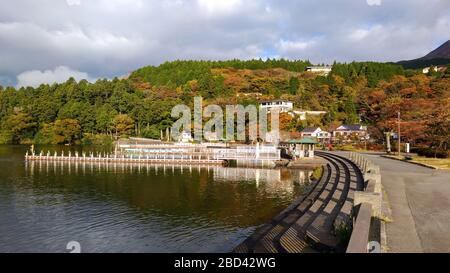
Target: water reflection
(113, 207)
(274, 180)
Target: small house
(318, 133)
(350, 132)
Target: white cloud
(219, 6)
(363, 33)
(293, 45)
(73, 2)
(60, 74)
(295, 48)
(96, 37)
(374, 2)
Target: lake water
(135, 208)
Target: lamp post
(399, 137)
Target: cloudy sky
(50, 40)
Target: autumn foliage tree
(438, 126)
(18, 126)
(123, 125)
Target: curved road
(419, 199)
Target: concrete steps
(271, 240)
(320, 234)
(310, 223)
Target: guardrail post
(360, 235)
(369, 202)
(372, 198)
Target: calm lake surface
(135, 208)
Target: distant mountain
(442, 52)
(439, 56)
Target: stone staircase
(313, 220)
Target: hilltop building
(283, 106)
(427, 70)
(321, 70)
(303, 114)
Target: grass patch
(317, 174)
(343, 233)
(438, 163)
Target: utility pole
(399, 137)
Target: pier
(175, 153)
(114, 158)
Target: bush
(343, 233)
(96, 139)
(430, 152)
(371, 147)
(42, 138)
(151, 132)
(6, 137)
(317, 174)
(347, 148)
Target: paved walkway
(420, 202)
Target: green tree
(104, 118)
(293, 85)
(66, 131)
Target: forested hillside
(83, 112)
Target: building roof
(280, 100)
(305, 140)
(350, 127)
(310, 129)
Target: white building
(285, 106)
(186, 137)
(303, 114)
(310, 132)
(282, 105)
(316, 132)
(324, 136)
(427, 70)
(322, 70)
(348, 133)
